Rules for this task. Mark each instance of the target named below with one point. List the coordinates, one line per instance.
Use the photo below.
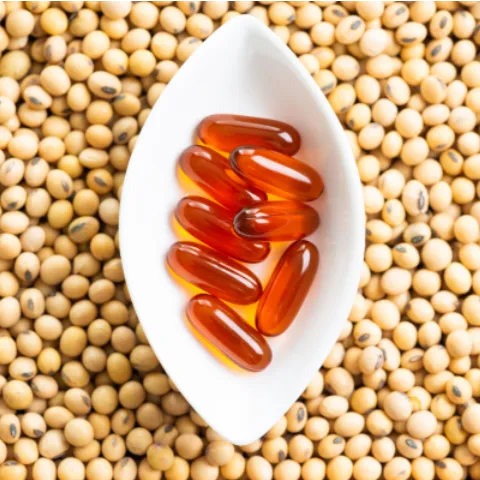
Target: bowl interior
(243, 68)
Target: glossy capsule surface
(213, 224)
(287, 288)
(212, 173)
(214, 272)
(226, 132)
(276, 221)
(228, 332)
(276, 173)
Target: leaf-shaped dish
(245, 69)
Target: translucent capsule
(213, 224)
(276, 221)
(228, 332)
(211, 172)
(214, 272)
(287, 288)
(226, 132)
(276, 173)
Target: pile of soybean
(82, 393)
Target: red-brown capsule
(276, 221)
(214, 272)
(226, 132)
(228, 332)
(213, 224)
(211, 172)
(276, 173)
(287, 288)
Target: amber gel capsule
(276, 173)
(213, 224)
(276, 221)
(228, 332)
(287, 288)
(226, 132)
(212, 172)
(214, 272)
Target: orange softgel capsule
(214, 272)
(228, 332)
(211, 172)
(276, 221)
(287, 288)
(226, 132)
(276, 173)
(213, 224)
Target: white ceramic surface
(243, 68)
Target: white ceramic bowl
(243, 68)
